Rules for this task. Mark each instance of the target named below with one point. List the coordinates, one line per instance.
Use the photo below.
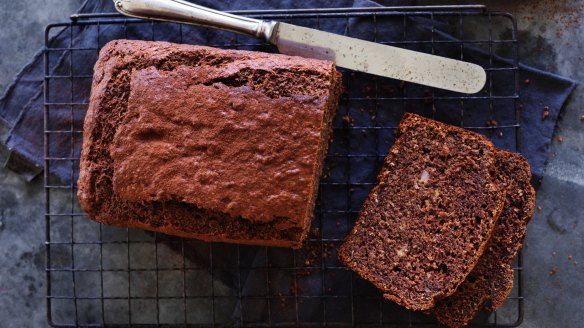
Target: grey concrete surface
(551, 38)
(22, 25)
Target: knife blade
(378, 59)
(360, 55)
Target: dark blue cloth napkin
(21, 106)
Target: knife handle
(180, 11)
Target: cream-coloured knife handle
(180, 11)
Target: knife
(347, 52)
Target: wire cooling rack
(99, 275)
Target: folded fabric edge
(536, 179)
(17, 159)
(22, 166)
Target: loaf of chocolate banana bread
(219, 145)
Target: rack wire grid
(99, 275)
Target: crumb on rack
(491, 123)
(294, 290)
(328, 249)
(526, 82)
(347, 119)
(428, 98)
(315, 232)
(388, 88)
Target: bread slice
(424, 226)
(219, 145)
(492, 278)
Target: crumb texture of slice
(220, 145)
(491, 280)
(425, 224)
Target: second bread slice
(424, 226)
(492, 278)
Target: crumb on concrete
(539, 209)
(546, 112)
(582, 118)
(560, 139)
